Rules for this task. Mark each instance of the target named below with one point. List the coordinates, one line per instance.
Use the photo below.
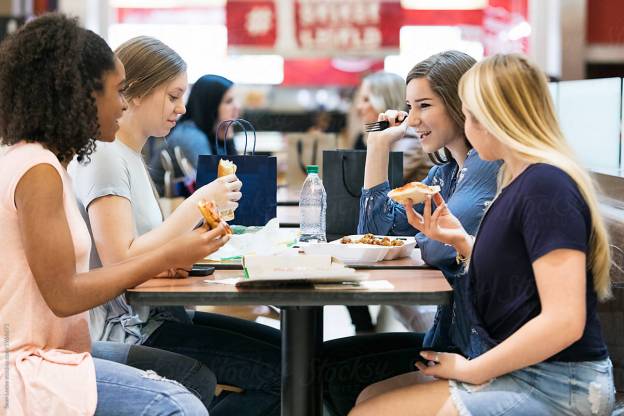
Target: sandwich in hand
(416, 191)
(211, 216)
(226, 167)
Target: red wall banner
(505, 27)
(347, 26)
(252, 23)
(322, 72)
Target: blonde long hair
(509, 96)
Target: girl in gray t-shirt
(121, 208)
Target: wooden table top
(411, 287)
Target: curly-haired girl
(60, 90)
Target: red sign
(251, 23)
(348, 26)
(505, 27)
(321, 72)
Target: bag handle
(225, 124)
(253, 129)
(243, 124)
(344, 182)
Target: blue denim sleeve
(382, 216)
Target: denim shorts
(548, 388)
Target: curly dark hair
(49, 70)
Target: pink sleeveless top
(49, 368)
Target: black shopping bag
(258, 174)
(343, 179)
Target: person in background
(321, 122)
(60, 91)
(379, 92)
(467, 182)
(537, 268)
(211, 101)
(121, 209)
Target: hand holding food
(224, 191)
(226, 168)
(211, 215)
(439, 224)
(416, 191)
(195, 245)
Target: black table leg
(302, 339)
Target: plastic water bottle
(312, 207)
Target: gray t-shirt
(116, 169)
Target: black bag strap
(224, 124)
(344, 182)
(253, 129)
(244, 125)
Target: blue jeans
(123, 390)
(192, 374)
(240, 353)
(547, 388)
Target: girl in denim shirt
(537, 268)
(467, 183)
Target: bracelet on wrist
(461, 259)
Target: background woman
(538, 266)
(379, 92)
(211, 101)
(60, 89)
(122, 211)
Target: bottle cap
(312, 169)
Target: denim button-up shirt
(467, 194)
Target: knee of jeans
(173, 398)
(184, 405)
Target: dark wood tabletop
(301, 314)
(424, 286)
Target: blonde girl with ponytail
(536, 270)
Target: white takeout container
(365, 253)
(313, 268)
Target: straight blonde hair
(509, 96)
(149, 63)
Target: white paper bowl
(362, 253)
